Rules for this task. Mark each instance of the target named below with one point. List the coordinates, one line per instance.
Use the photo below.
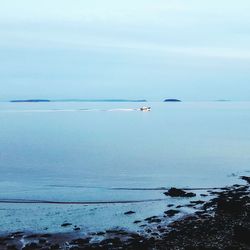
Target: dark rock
(11, 247)
(232, 248)
(199, 212)
(162, 230)
(137, 221)
(170, 205)
(46, 235)
(189, 205)
(176, 192)
(153, 219)
(190, 194)
(76, 248)
(197, 202)
(100, 233)
(172, 100)
(246, 178)
(236, 185)
(31, 246)
(171, 212)
(121, 232)
(31, 236)
(129, 212)
(155, 234)
(66, 224)
(204, 195)
(17, 234)
(111, 242)
(55, 247)
(229, 205)
(150, 218)
(80, 241)
(42, 241)
(242, 234)
(116, 241)
(2, 239)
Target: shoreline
(219, 223)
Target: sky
(134, 49)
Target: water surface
(87, 151)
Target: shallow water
(92, 152)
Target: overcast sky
(152, 49)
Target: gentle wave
(22, 201)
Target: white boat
(145, 109)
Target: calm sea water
(61, 152)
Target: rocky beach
(222, 222)
(124, 125)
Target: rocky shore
(221, 223)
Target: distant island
(31, 100)
(172, 100)
(97, 100)
(79, 100)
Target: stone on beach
(176, 192)
(242, 234)
(66, 224)
(246, 178)
(171, 212)
(137, 221)
(229, 206)
(129, 212)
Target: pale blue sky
(193, 50)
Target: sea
(88, 163)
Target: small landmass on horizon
(31, 100)
(78, 100)
(172, 100)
